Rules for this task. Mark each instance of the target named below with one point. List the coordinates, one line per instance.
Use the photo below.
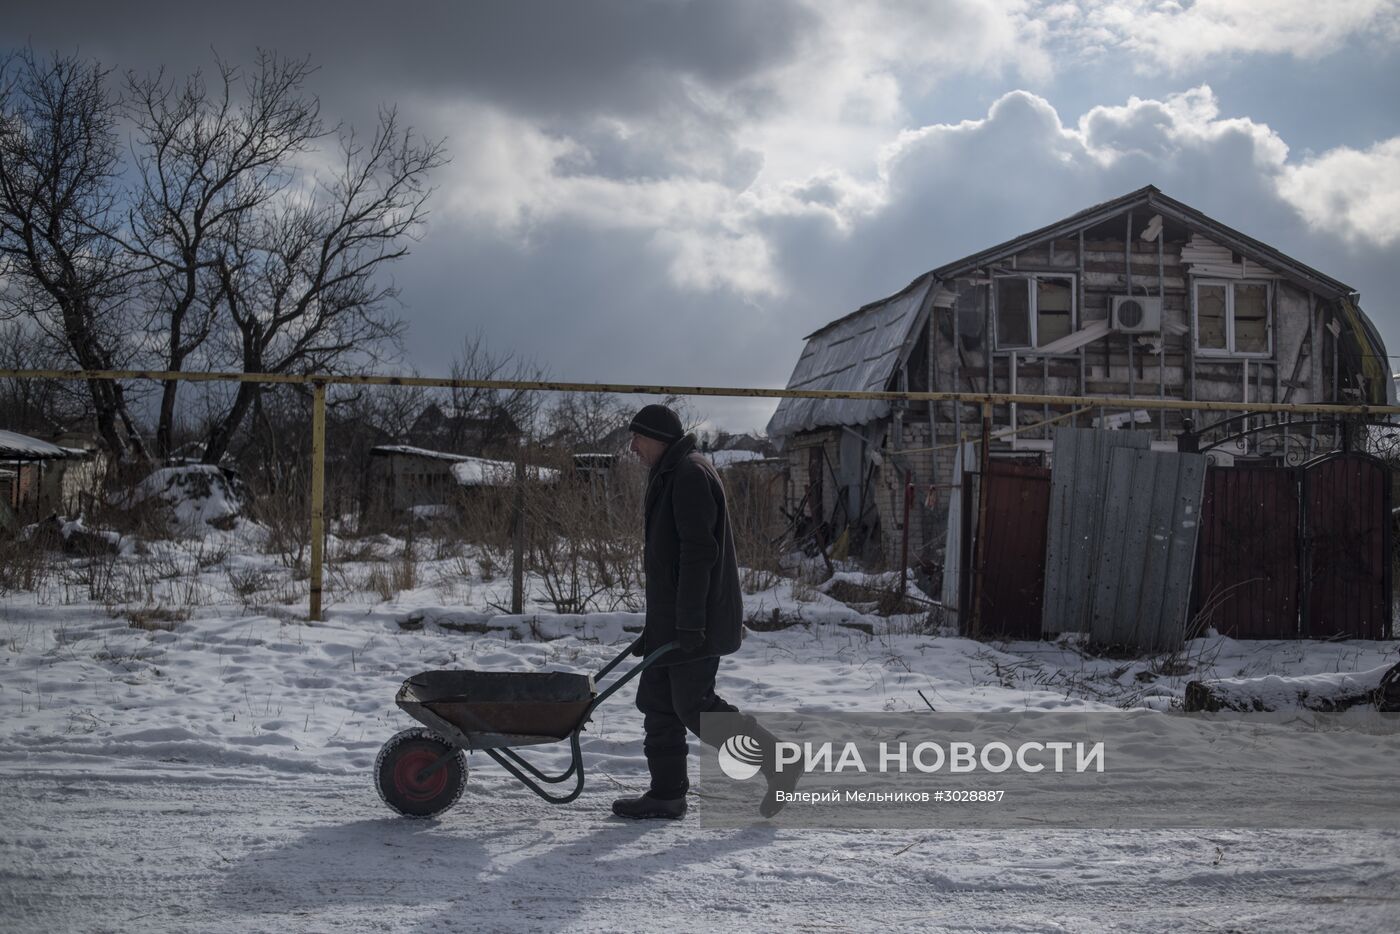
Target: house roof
(1150, 198)
(858, 352)
(17, 447)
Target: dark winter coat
(692, 574)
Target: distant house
(437, 427)
(410, 480)
(1142, 296)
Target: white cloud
(851, 79)
(1353, 194)
(708, 235)
(1163, 129)
(1177, 36)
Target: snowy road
(217, 778)
(249, 851)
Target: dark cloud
(541, 57)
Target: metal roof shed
(17, 447)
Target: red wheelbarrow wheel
(399, 774)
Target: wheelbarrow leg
(520, 760)
(504, 756)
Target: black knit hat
(658, 422)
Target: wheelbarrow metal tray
(496, 708)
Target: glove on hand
(638, 648)
(690, 639)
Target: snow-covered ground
(215, 775)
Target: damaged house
(1140, 297)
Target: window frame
(1229, 349)
(1033, 306)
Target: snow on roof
(17, 447)
(478, 471)
(859, 353)
(733, 456)
(471, 471)
(386, 449)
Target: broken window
(1013, 313)
(1054, 310)
(1210, 317)
(1233, 318)
(1033, 311)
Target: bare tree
(483, 419)
(36, 405)
(300, 282)
(584, 421)
(64, 271)
(207, 162)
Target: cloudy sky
(677, 191)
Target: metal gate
(1296, 552)
(1011, 559)
(1247, 556)
(1346, 548)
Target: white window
(1033, 310)
(1233, 318)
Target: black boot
(666, 798)
(647, 807)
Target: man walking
(692, 597)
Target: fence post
(984, 468)
(517, 567)
(904, 548)
(318, 493)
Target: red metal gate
(1288, 553)
(1346, 547)
(1013, 554)
(1247, 552)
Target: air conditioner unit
(1137, 314)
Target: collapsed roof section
(858, 352)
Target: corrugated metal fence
(1122, 538)
(1147, 548)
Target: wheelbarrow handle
(626, 652)
(636, 670)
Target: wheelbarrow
(421, 772)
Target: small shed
(23, 481)
(406, 479)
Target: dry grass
(156, 618)
(24, 566)
(283, 513)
